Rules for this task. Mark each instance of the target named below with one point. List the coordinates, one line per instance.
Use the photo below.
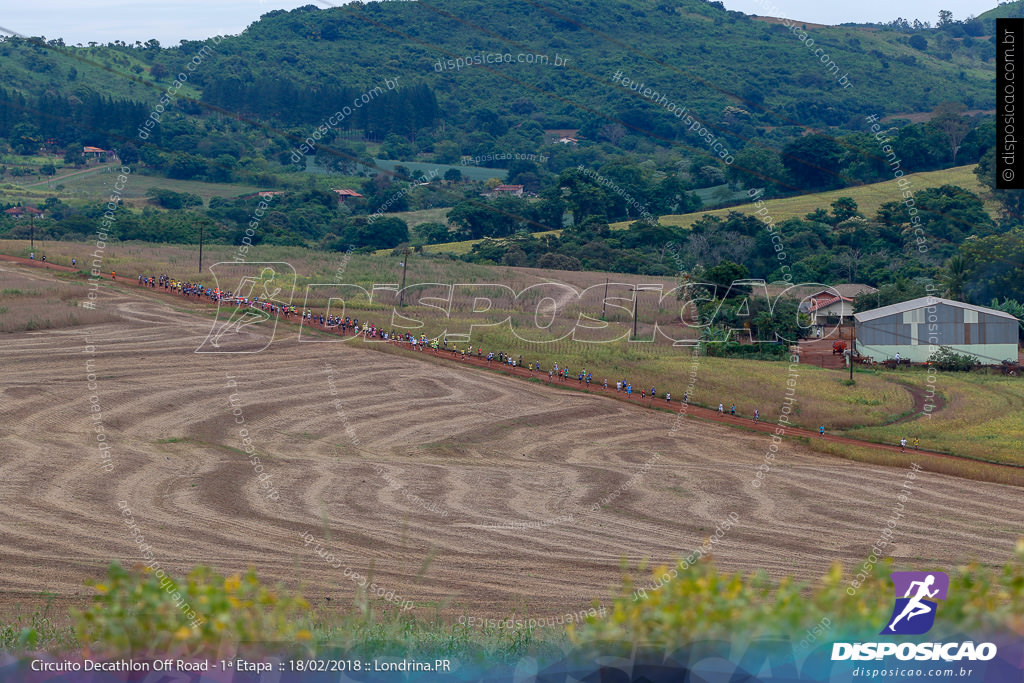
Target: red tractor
(838, 347)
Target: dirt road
(36, 263)
(453, 488)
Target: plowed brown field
(407, 467)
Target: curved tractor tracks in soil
(465, 492)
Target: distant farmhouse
(99, 154)
(507, 191)
(345, 194)
(19, 211)
(916, 328)
(564, 136)
(836, 302)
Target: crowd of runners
(351, 326)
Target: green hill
(33, 67)
(699, 55)
(1004, 11)
(689, 50)
(601, 111)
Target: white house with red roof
(507, 191)
(345, 193)
(835, 301)
(19, 211)
(90, 152)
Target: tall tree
(994, 267)
(757, 167)
(953, 277)
(848, 261)
(949, 118)
(845, 208)
(1011, 202)
(813, 161)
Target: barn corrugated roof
(922, 302)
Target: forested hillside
(597, 112)
(300, 66)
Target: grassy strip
(28, 304)
(956, 466)
(982, 418)
(966, 466)
(40, 630)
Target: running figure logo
(239, 316)
(257, 299)
(914, 613)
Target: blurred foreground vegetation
(134, 613)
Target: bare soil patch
(465, 455)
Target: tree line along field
(868, 198)
(872, 249)
(979, 417)
(92, 183)
(94, 186)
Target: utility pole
(604, 302)
(31, 232)
(405, 264)
(201, 226)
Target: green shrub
(948, 359)
(39, 632)
(136, 613)
(731, 349)
(702, 603)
